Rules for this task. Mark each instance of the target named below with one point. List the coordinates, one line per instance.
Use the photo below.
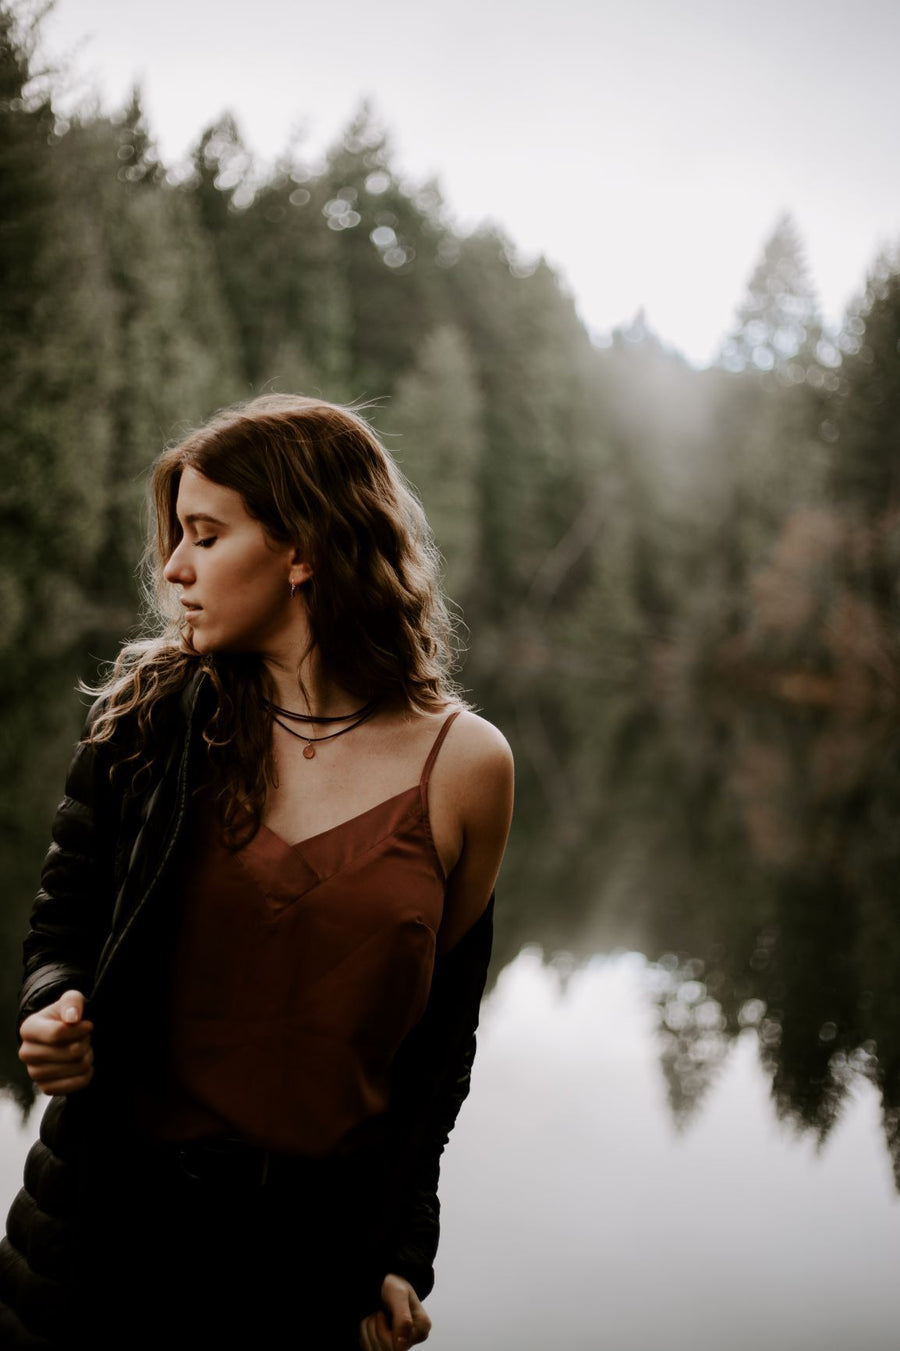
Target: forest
(663, 575)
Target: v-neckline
(341, 825)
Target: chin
(200, 643)
(205, 644)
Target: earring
(293, 590)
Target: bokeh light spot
(383, 237)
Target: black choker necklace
(309, 717)
(309, 750)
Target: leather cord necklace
(309, 750)
(312, 717)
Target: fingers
(62, 1021)
(72, 1084)
(56, 1045)
(374, 1333)
(42, 1061)
(54, 1077)
(409, 1322)
(59, 1069)
(71, 1006)
(47, 1038)
(421, 1322)
(404, 1324)
(401, 1323)
(367, 1336)
(48, 1029)
(63, 1053)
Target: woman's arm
(69, 920)
(430, 1083)
(70, 916)
(71, 911)
(432, 1070)
(470, 806)
(432, 1076)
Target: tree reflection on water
(750, 850)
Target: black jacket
(100, 924)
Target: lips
(190, 609)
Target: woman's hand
(409, 1323)
(56, 1045)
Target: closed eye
(206, 543)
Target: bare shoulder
(476, 762)
(479, 745)
(476, 805)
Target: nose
(178, 570)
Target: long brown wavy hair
(313, 474)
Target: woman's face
(235, 580)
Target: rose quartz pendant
(309, 752)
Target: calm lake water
(577, 1215)
(687, 1092)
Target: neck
(310, 690)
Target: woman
(255, 962)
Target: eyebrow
(196, 516)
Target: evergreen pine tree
(778, 326)
(866, 416)
(136, 151)
(436, 414)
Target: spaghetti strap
(433, 753)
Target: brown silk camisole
(298, 971)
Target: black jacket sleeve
(71, 912)
(431, 1080)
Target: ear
(300, 570)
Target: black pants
(233, 1252)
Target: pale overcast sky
(645, 147)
